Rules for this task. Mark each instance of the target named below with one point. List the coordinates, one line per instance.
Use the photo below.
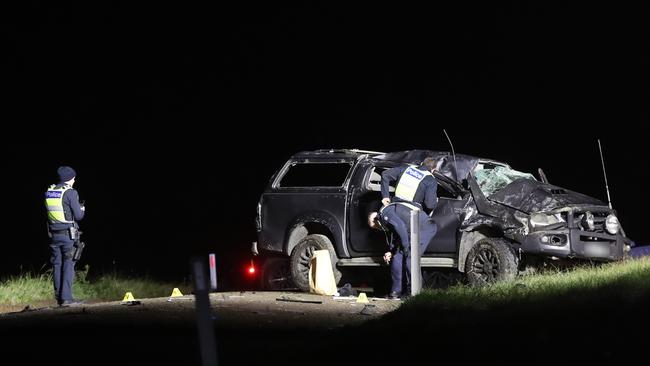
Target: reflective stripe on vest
(54, 204)
(409, 182)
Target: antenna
(609, 200)
(452, 153)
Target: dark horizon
(160, 109)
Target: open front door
(447, 218)
(365, 197)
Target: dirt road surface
(251, 328)
(259, 329)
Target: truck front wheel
(490, 260)
(301, 259)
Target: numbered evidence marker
(129, 299)
(175, 293)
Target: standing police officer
(63, 212)
(416, 188)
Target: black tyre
(490, 260)
(301, 259)
(276, 275)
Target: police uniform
(416, 189)
(63, 211)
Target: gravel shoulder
(288, 310)
(251, 328)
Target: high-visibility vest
(409, 182)
(54, 204)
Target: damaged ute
(492, 220)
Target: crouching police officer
(416, 189)
(63, 212)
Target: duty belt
(409, 205)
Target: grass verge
(32, 289)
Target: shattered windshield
(492, 180)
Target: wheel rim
(486, 265)
(305, 258)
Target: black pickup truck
(492, 220)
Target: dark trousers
(62, 266)
(399, 217)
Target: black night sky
(175, 116)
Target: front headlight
(540, 219)
(612, 225)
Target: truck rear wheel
(301, 259)
(490, 260)
(276, 275)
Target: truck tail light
(251, 269)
